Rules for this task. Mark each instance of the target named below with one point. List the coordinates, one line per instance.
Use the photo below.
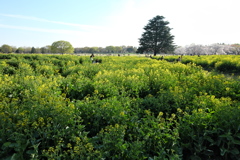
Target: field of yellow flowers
(129, 107)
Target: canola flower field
(129, 107)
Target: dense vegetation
(66, 107)
(221, 63)
(192, 49)
(48, 49)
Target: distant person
(161, 58)
(179, 59)
(91, 57)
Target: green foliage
(157, 37)
(65, 107)
(225, 66)
(9, 70)
(211, 135)
(6, 48)
(62, 47)
(220, 63)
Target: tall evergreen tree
(156, 37)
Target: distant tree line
(193, 49)
(213, 49)
(12, 49)
(49, 49)
(107, 49)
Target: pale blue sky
(115, 22)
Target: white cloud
(85, 27)
(58, 31)
(85, 35)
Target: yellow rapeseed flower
(51, 149)
(160, 114)
(69, 145)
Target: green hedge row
(65, 107)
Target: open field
(127, 107)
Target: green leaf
(223, 151)
(208, 152)
(236, 141)
(235, 151)
(209, 139)
(5, 145)
(30, 152)
(228, 136)
(14, 157)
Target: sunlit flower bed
(128, 107)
